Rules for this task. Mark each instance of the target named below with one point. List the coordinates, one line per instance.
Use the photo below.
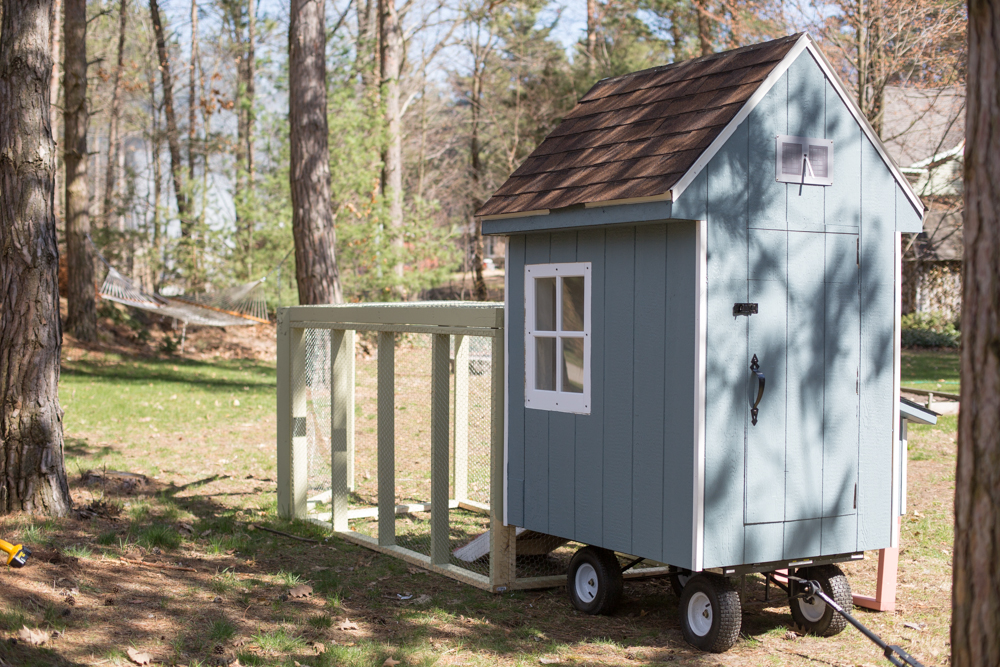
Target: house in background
(924, 131)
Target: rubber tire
(675, 580)
(609, 580)
(727, 613)
(834, 583)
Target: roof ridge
(698, 60)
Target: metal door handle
(755, 367)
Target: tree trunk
(192, 96)
(316, 269)
(81, 320)
(392, 170)
(476, 167)
(173, 137)
(975, 629)
(156, 140)
(704, 28)
(367, 53)
(32, 471)
(55, 46)
(112, 173)
(591, 34)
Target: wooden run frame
(442, 321)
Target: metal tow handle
(892, 653)
(755, 367)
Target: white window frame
(558, 400)
(808, 178)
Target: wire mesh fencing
(390, 424)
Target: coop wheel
(711, 615)
(678, 579)
(812, 614)
(595, 581)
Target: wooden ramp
(529, 543)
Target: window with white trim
(804, 160)
(557, 337)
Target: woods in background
(206, 137)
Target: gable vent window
(804, 160)
(557, 337)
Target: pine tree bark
(32, 472)
(392, 160)
(704, 27)
(81, 320)
(479, 289)
(55, 47)
(112, 174)
(192, 95)
(316, 269)
(975, 630)
(591, 35)
(173, 135)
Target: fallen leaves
(34, 637)
(138, 657)
(389, 662)
(549, 661)
(347, 624)
(301, 591)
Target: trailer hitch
(892, 653)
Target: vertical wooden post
(386, 438)
(292, 456)
(440, 477)
(503, 553)
(461, 417)
(350, 380)
(341, 418)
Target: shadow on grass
(261, 375)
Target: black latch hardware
(744, 309)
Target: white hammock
(236, 306)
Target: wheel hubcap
(699, 614)
(586, 582)
(812, 608)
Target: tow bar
(892, 653)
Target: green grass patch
(160, 536)
(931, 370)
(221, 630)
(278, 641)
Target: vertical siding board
(536, 424)
(764, 542)
(841, 351)
(514, 280)
(803, 538)
(806, 118)
(877, 357)
(727, 360)
(589, 431)
(839, 535)
(562, 430)
(908, 220)
(678, 396)
(692, 202)
(648, 388)
(805, 375)
(619, 281)
(765, 449)
(843, 198)
(768, 120)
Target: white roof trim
(804, 43)
(522, 214)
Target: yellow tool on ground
(18, 555)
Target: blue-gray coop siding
(761, 232)
(622, 476)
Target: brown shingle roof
(636, 135)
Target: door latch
(747, 309)
(755, 367)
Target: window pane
(572, 303)
(818, 161)
(791, 159)
(545, 304)
(572, 365)
(545, 364)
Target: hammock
(236, 306)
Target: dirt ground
(168, 551)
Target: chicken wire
(467, 468)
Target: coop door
(802, 453)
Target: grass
(931, 370)
(213, 468)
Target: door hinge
(855, 495)
(859, 252)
